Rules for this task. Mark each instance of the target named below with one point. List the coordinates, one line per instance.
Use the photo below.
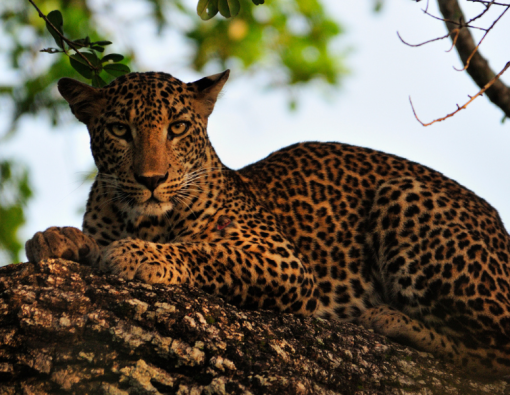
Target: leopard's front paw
(62, 242)
(134, 258)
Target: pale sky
(372, 109)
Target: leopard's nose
(151, 182)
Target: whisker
(183, 202)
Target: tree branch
(490, 3)
(67, 41)
(478, 67)
(471, 98)
(65, 329)
(485, 35)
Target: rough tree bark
(65, 329)
(479, 68)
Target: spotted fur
(342, 232)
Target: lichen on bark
(66, 329)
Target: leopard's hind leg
(483, 360)
(443, 288)
(398, 326)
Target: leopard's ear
(207, 90)
(84, 100)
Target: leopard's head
(148, 134)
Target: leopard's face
(149, 140)
(149, 137)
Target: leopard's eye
(178, 128)
(120, 130)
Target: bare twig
(454, 39)
(426, 7)
(487, 8)
(68, 42)
(429, 41)
(478, 67)
(459, 108)
(460, 23)
(423, 43)
(480, 42)
(489, 3)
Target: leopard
(321, 229)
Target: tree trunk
(68, 330)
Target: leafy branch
(86, 62)
(207, 9)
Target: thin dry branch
(460, 22)
(454, 39)
(423, 43)
(429, 41)
(477, 66)
(485, 35)
(459, 108)
(487, 8)
(489, 2)
(68, 42)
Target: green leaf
(103, 43)
(114, 57)
(55, 17)
(116, 69)
(97, 81)
(78, 64)
(97, 48)
(206, 9)
(81, 66)
(201, 6)
(82, 42)
(258, 2)
(91, 56)
(229, 8)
